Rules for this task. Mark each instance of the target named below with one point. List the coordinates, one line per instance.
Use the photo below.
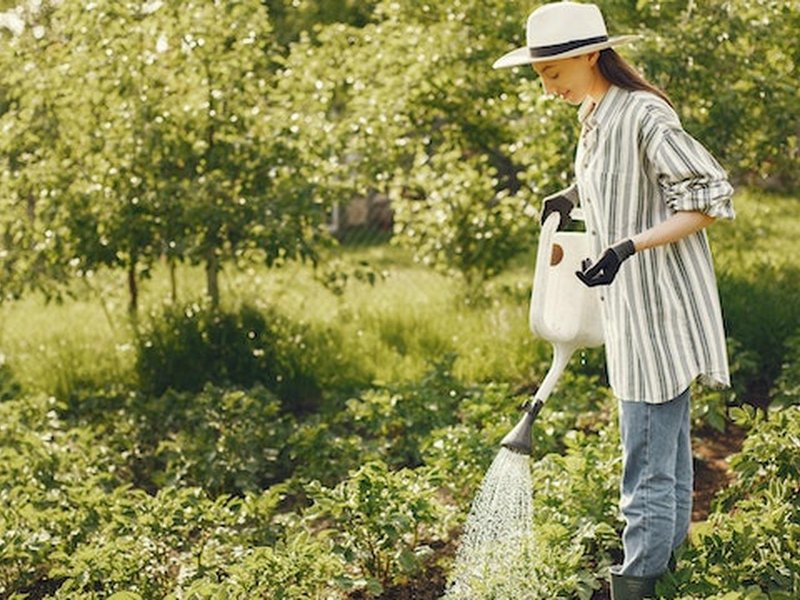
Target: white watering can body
(563, 310)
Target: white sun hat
(562, 30)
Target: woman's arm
(676, 227)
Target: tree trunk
(31, 207)
(173, 283)
(133, 291)
(212, 278)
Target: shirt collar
(591, 114)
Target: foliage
(160, 158)
(225, 441)
(71, 520)
(53, 482)
(759, 305)
(112, 489)
(185, 347)
(297, 568)
(388, 423)
(727, 65)
(180, 542)
(387, 519)
(453, 218)
(709, 406)
(9, 386)
(787, 386)
(291, 19)
(466, 448)
(748, 547)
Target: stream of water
(500, 522)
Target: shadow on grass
(762, 312)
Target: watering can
(563, 311)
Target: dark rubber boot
(627, 587)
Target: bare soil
(711, 450)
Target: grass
(394, 329)
(412, 317)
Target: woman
(647, 190)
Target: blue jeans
(657, 476)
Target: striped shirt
(635, 166)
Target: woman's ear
(593, 57)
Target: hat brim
(522, 56)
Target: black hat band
(544, 51)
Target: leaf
(124, 595)
(408, 561)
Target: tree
(170, 142)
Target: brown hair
(614, 68)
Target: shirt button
(602, 298)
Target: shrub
(770, 452)
(382, 522)
(759, 306)
(388, 423)
(9, 386)
(397, 418)
(787, 387)
(710, 406)
(71, 528)
(223, 440)
(54, 486)
(299, 568)
(465, 450)
(183, 348)
(180, 543)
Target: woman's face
(571, 79)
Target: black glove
(605, 269)
(560, 203)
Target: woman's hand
(605, 270)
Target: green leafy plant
(711, 407)
(223, 440)
(575, 525)
(300, 568)
(387, 423)
(787, 387)
(383, 522)
(9, 386)
(748, 546)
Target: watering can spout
(519, 438)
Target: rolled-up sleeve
(689, 177)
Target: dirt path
(711, 450)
